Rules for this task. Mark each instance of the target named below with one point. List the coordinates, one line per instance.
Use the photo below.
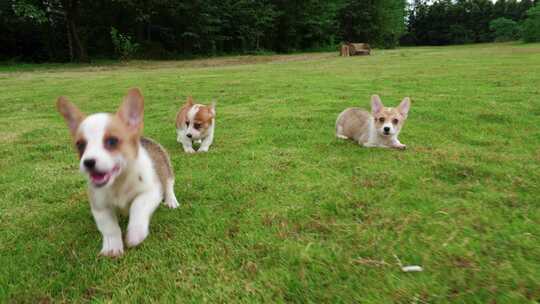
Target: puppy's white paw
(369, 145)
(203, 149)
(112, 246)
(189, 150)
(172, 202)
(400, 147)
(136, 235)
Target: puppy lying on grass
(380, 128)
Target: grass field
(280, 210)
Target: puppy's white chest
(121, 194)
(123, 198)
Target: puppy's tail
(339, 132)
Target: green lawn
(280, 210)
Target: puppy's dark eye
(197, 126)
(395, 121)
(187, 123)
(381, 119)
(81, 145)
(111, 142)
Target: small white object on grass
(412, 268)
(409, 268)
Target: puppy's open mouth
(100, 179)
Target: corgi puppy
(195, 123)
(126, 172)
(380, 128)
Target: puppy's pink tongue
(98, 177)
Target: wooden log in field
(355, 49)
(345, 50)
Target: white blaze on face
(388, 126)
(107, 166)
(190, 129)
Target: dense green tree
(391, 20)
(531, 25)
(358, 21)
(250, 34)
(380, 22)
(45, 13)
(459, 21)
(504, 29)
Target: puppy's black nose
(189, 135)
(89, 163)
(386, 129)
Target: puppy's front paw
(203, 149)
(400, 147)
(189, 150)
(368, 145)
(172, 202)
(136, 235)
(112, 246)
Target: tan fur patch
(127, 124)
(160, 159)
(389, 115)
(127, 140)
(353, 123)
(79, 139)
(71, 113)
(73, 117)
(181, 117)
(204, 116)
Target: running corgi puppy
(195, 123)
(126, 172)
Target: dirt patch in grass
(172, 64)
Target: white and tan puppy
(195, 123)
(126, 172)
(380, 128)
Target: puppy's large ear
(132, 110)
(404, 106)
(71, 113)
(376, 104)
(189, 101)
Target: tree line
(445, 22)
(76, 30)
(60, 30)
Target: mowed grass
(280, 210)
